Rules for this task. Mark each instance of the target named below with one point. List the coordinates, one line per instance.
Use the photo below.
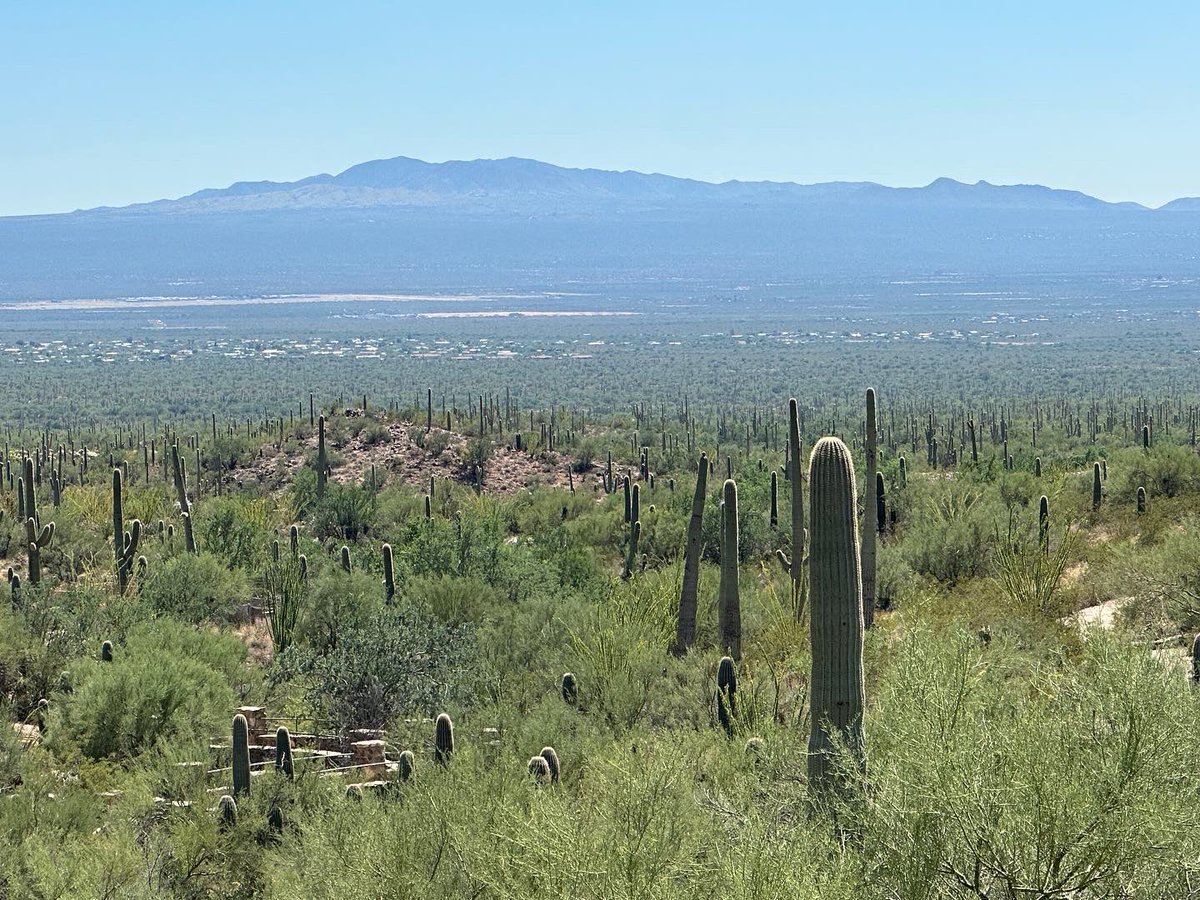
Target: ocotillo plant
(871, 513)
(685, 626)
(443, 740)
(241, 757)
(283, 754)
(322, 459)
(835, 591)
(389, 574)
(726, 697)
(729, 608)
(125, 543)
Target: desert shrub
(1066, 787)
(234, 529)
(334, 602)
(1166, 470)
(194, 588)
(397, 662)
(374, 433)
(345, 512)
(451, 600)
(168, 682)
(948, 536)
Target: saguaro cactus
(125, 543)
(685, 627)
(443, 739)
(569, 687)
(185, 509)
(1097, 493)
(1141, 500)
(835, 591)
(774, 499)
(870, 513)
(389, 574)
(795, 468)
(322, 459)
(729, 607)
(284, 764)
(241, 756)
(550, 755)
(726, 699)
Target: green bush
(167, 683)
(195, 588)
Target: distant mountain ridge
(524, 184)
(402, 225)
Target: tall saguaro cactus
(835, 592)
(685, 627)
(870, 513)
(729, 607)
(795, 468)
(241, 756)
(185, 508)
(322, 459)
(125, 543)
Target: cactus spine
(835, 573)
(443, 740)
(871, 514)
(241, 757)
(729, 608)
(685, 626)
(125, 543)
(726, 699)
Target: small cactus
(1141, 500)
(389, 574)
(443, 740)
(284, 764)
(551, 757)
(227, 812)
(345, 557)
(539, 770)
(241, 756)
(570, 689)
(106, 652)
(726, 694)
(405, 765)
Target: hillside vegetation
(936, 649)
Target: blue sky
(113, 103)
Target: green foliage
(195, 588)
(397, 662)
(168, 683)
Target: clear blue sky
(112, 103)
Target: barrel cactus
(550, 755)
(443, 740)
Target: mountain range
(401, 224)
(525, 184)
